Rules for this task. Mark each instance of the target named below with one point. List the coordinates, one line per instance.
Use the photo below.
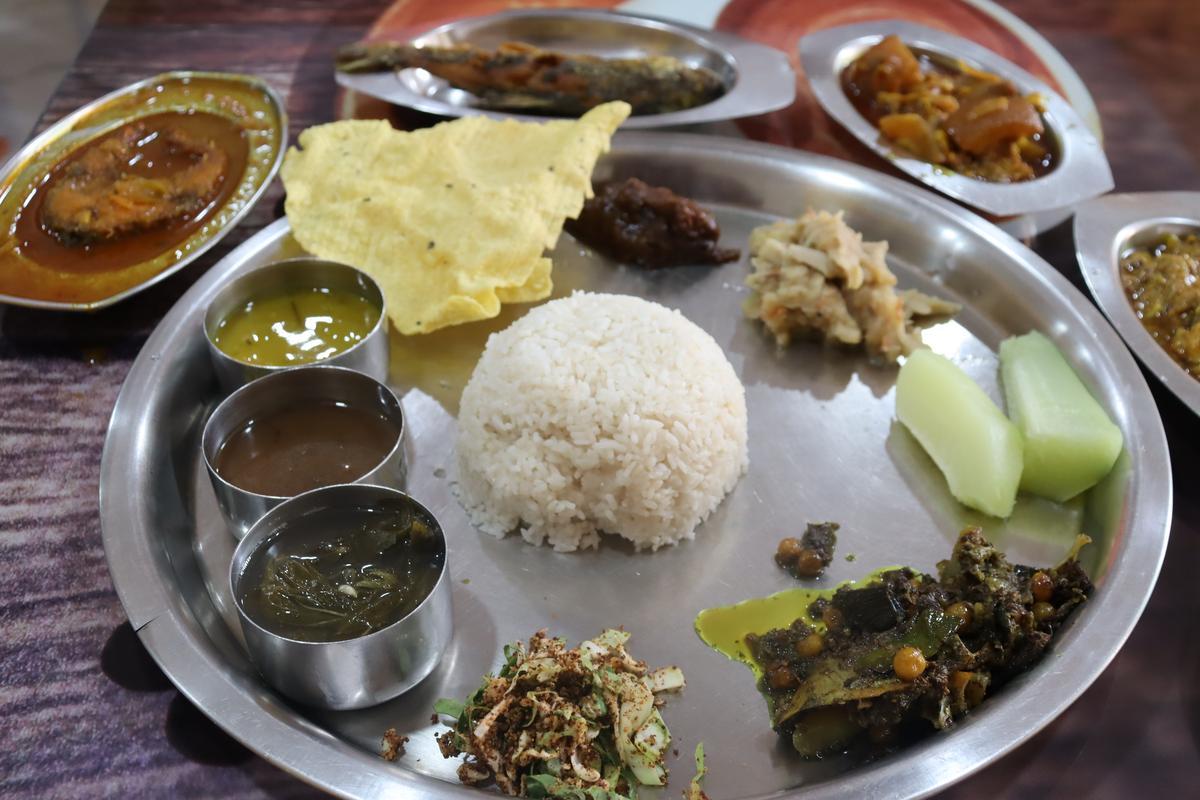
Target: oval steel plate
(1082, 169)
(758, 78)
(823, 445)
(91, 120)
(1109, 225)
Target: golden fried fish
(520, 77)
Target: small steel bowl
(369, 355)
(352, 673)
(280, 390)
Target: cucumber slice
(1070, 443)
(962, 430)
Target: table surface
(85, 710)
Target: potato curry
(964, 120)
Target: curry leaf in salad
(695, 789)
(574, 724)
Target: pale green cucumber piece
(971, 441)
(1070, 442)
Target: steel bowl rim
(398, 494)
(166, 628)
(65, 124)
(1082, 172)
(216, 351)
(347, 372)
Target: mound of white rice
(600, 413)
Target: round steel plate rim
(746, 57)
(1082, 171)
(303, 749)
(1101, 226)
(43, 139)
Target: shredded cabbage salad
(574, 724)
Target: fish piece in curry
(107, 194)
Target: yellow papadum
(452, 220)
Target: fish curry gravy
(167, 172)
(132, 193)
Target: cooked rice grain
(600, 413)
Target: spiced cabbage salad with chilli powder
(571, 723)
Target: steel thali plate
(823, 446)
(758, 78)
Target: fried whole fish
(99, 197)
(521, 77)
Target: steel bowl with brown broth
(134, 186)
(297, 430)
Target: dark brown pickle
(649, 226)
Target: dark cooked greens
(347, 586)
(912, 650)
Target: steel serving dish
(823, 446)
(757, 78)
(364, 670)
(1082, 170)
(1104, 229)
(152, 95)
